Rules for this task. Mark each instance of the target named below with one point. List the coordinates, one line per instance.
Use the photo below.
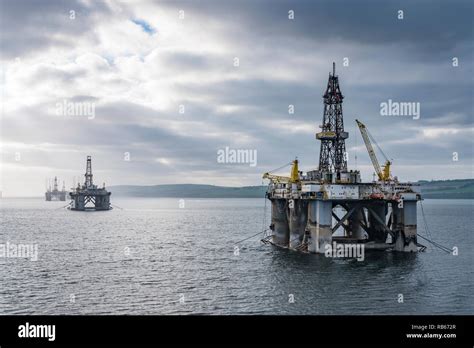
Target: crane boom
(293, 178)
(384, 174)
(276, 178)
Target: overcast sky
(137, 62)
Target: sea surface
(151, 256)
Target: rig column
(406, 239)
(281, 232)
(102, 202)
(297, 220)
(319, 222)
(78, 202)
(355, 224)
(379, 234)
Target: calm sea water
(153, 257)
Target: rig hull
(308, 219)
(55, 196)
(98, 199)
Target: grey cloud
(186, 61)
(433, 25)
(28, 26)
(49, 73)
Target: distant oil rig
(89, 196)
(53, 193)
(381, 214)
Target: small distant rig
(381, 214)
(89, 196)
(53, 193)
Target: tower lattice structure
(332, 158)
(88, 175)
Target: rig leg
(319, 222)
(405, 217)
(297, 220)
(79, 203)
(281, 231)
(377, 215)
(102, 202)
(355, 227)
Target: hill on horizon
(435, 189)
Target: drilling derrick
(88, 175)
(332, 157)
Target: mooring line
(264, 220)
(67, 205)
(424, 220)
(442, 247)
(243, 240)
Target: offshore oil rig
(304, 215)
(89, 196)
(53, 193)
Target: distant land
(188, 191)
(436, 189)
(449, 189)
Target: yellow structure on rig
(383, 174)
(292, 179)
